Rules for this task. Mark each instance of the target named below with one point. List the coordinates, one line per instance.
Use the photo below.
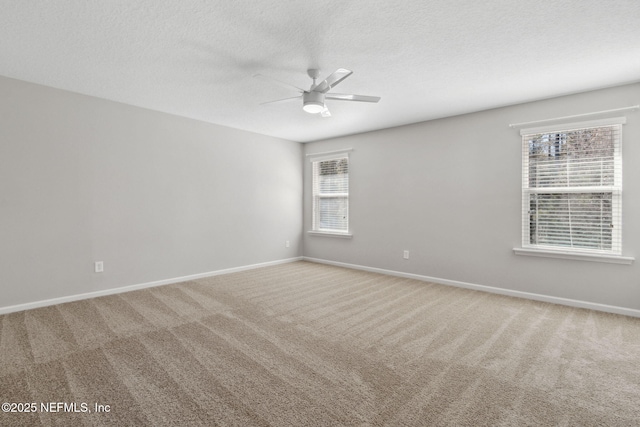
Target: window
(330, 189)
(572, 188)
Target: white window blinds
(330, 184)
(572, 187)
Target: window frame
(527, 248)
(315, 196)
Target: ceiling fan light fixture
(313, 102)
(313, 107)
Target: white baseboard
(491, 289)
(501, 291)
(70, 298)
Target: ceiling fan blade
(281, 100)
(350, 97)
(336, 77)
(271, 79)
(325, 112)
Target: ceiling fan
(313, 99)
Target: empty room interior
(320, 213)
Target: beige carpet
(304, 344)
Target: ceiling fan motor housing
(313, 102)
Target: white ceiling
(426, 59)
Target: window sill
(612, 259)
(330, 234)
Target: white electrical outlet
(287, 244)
(405, 255)
(99, 266)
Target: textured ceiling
(426, 59)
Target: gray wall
(156, 197)
(449, 191)
(152, 195)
